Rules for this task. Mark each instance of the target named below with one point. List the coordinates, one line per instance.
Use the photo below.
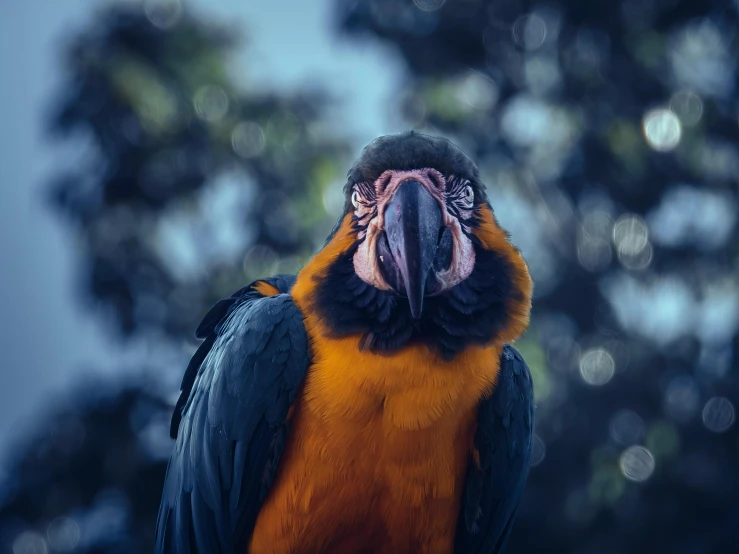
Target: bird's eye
(468, 196)
(355, 199)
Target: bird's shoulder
(229, 315)
(230, 420)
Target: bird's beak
(412, 224)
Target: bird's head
(417, 254)
(414, 232)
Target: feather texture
(503, 440)
(230, 421)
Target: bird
(373, 402)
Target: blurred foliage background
(608, 137)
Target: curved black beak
(412, 224)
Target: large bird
(372, 403)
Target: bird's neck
(413, 386)
(490, 307)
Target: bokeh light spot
(29, 542)
(164, 14)
(630, 233)
(429, 5)
(529, 122)
(637, 463)
(477, 90)
(593, 253)
(635, 260)
(631, 238)
(63, 534)
(687, 106)
(211, 103)
(718, 414)
(247, 139)
(627, 427)
(529, 31)
(662, 129)
(538, 451)
(597, 366)
(283, 129)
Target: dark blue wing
(207, 330)
(230, 423)
(503, 442)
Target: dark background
(157, 156)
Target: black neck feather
(472, 312)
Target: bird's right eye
(355, 199)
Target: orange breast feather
(378, 444)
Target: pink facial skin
(370, 211)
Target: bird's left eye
(468, 196)
(355, 199)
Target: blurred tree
(608, 136)
(187, 175)
(90, 481)
(190, 187)
(607, 133)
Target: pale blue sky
(46, 338)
